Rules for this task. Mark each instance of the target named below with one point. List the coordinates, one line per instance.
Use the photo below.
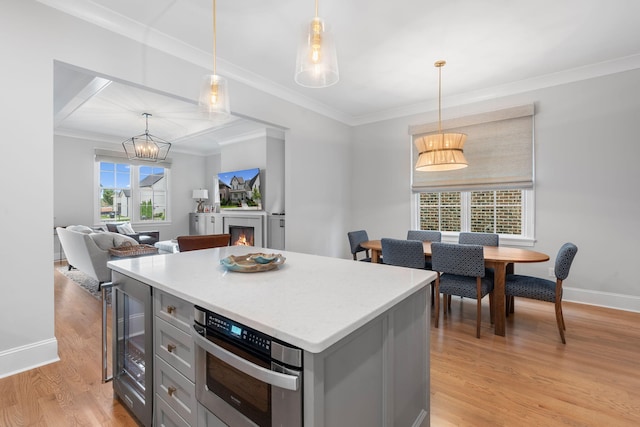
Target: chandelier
(440, 151)
(146, 146)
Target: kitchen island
(363, 328)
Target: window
(493, 211)
(131, 192)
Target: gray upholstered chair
(484, 239)
(517, 285)
(461, 272)
(355, 238)
(403, 253)
(424, 235)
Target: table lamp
(200, 195)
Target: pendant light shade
(440, 151)
(146, 146)
(214, 92)
(316, 63)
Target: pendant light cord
(316, 8)
(439, 65)
(214, 37)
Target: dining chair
(403, 253)
(460, 271)
(518, 285)
(424, 235)
(203, 241)
(484, 239)
(355, 238)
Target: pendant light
(214, 93)
(316, 63)
(440, 151)
(146, 146)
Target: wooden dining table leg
(375, 255)
(499, 276)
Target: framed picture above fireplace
(240, 190)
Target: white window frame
(135, 193)
(528, 219)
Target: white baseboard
(20, 359)
(602, 299)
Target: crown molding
(122, 25)
(600, 69)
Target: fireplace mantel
(247, 219)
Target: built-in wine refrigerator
(132, 346)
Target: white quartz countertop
(310, 301)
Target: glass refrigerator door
(131, 341)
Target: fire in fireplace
(241, 236)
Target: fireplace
(241, 236)
(245, 229)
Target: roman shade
(499, 150)
(120, 157)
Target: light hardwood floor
(527, 378)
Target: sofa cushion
(125, 228)
(80, 229)
(107, 240)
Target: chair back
(403, 253)
(355, 238)
(424, 235)
(483, 239)
(460, 259)
(564, 259)
(205, 241)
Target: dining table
(500, 258)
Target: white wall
(586, 154)
(33, 37)
(73, 178)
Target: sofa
(87, 250)
(142, 237)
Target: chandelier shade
(145, 146)
(440, 151)
(316, 62)
(214, 91)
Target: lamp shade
(214, 96)
(200, 194)
(316, 63)
(441, 152)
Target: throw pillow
(121, 239)
(103, 240)
(125, 228)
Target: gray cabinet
(205, 223)
(174, 370)
(275, 232)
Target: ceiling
(386, 52)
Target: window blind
(121, 157)
(499, 150)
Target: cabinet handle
(170, 309)
(170, 347)
(171, 390)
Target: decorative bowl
(252, 263)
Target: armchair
(142, 237)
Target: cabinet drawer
(176, 390)
(175, 347)
(167, 417)
(174, 310)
